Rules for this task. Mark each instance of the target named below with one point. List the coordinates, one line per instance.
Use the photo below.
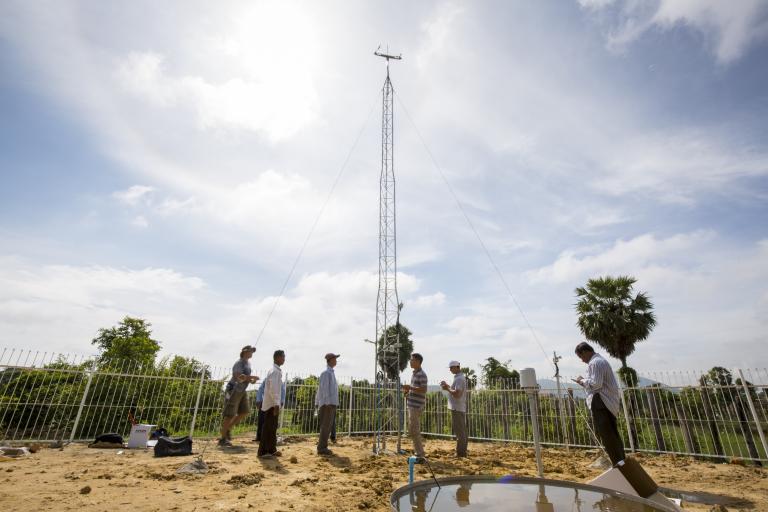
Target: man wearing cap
(271, 406)
(416, 394)
(235, 397)
(457, 404)
(327, 399)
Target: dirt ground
(88, 479)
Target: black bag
(109, 438)
(169, 446)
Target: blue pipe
(411, 464)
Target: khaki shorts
(237, 404)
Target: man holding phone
(603, 399)
(457, 404)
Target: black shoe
(324, 452)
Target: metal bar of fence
(82, 405)
(626, 415)
(197, 402)
(753, 410)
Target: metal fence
(46, 397)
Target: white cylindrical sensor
(527, 378)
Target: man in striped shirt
(603, 399)
(417, 399)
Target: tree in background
(610, 316)
(128, 342)
(498, 375)
(404, 353)
(719, 376)
(471, 376)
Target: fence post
(82, 405)
(283, 405)
(570, 406)
(754, 413)
(626, 416)
(197, 402)
(561, 413)
(351, 406)
(689, 434)
(717, 445)
(655, 420)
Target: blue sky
(167, 161)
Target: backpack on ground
(109, 440)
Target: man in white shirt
(271, 406)
(603, 399)
(457, 404)
(327, 399)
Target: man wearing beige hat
(457, 404)
(327, 400)
(236, 405)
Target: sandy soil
(89, 479)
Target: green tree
(498, 375)
(719, 376)
(305, 405)
(612, 317)
(128, 342)
(392, 334)
(471, 376)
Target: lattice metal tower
(389, 404)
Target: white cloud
(280, 109)
(428, 301)
(134, 195)
(624, 257)
(237, 118)
(140, 222)
(437, 30)
(590, 219)
(595, 4)
(61, 307)
(730, 27)
(275, 92)
(677, 165)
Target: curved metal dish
(415, 497)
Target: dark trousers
(268, 439)
(325, 416)
(260, 424)
(459, 426)
(333, 429)
(607, 430)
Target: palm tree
(498, 375)
(471, 376)
(611, 317)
